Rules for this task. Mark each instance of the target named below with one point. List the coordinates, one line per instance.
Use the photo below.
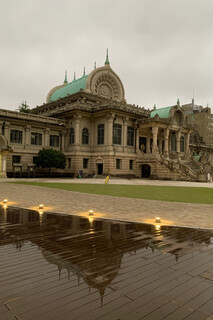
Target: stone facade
(99, 133)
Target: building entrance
(145, 171)
(100, 168)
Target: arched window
(182, 144)
(85, 136)
(72, 135)
(173, 142)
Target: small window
(72, 136)
(130, 164)
(118, 163)
(85, 163)
(182, 144)
(69, 163)
(16, 159)
(54, 140)
(173, 142)
(117, 129)
(100, 134)
(130, 136)
(85, 136)
(16, 136)
(36, 138)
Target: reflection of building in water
(93, 251)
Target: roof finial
(154, 106)
(178, 102)
(65, 79)
(74, 76)
(95, 65)
(84, 72)
(107, 58)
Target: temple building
(90, 121)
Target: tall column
(6, 131)
(160, 145)
(155, 139)
(46, 141)
(166, 142)
(148, 145)
(77, 130)
(124, 135)
(187, 137)
(27, 139)
(178, 134)
(109, 130)
(92, 135)
(63, 133)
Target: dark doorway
(100, 168)
(145, 171)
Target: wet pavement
(55, 266)
(138, 210)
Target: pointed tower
(107, 59)
(65, 78)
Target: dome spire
(95, 65)
(107, 58)
(65, 78)
(84, 72)
(74, 77)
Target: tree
(24, 107)
(50, 158)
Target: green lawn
(178, 194)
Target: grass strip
(162, 193)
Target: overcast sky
(161, 49)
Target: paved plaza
(126, 209)
(69, 265)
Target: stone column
(92, 135)
(137, 138)
(187, 137)
(46, 140)
(6, 131)
(63, 133)
(124, 135)
(109, 131)
(77, 130)
(178, 134)
(155, 139)
(27, 138)
(166, 142)
(160, 145)
(148, 145)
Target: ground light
(41, 206)
(91, 213)
(157, 219)
(5, 201)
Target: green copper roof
(70, 88)
(163, 112)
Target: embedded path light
(41, 206)
(5, 201)
(157, 219)
(91, 213)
